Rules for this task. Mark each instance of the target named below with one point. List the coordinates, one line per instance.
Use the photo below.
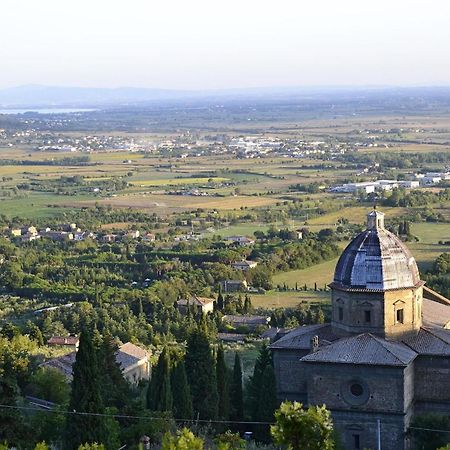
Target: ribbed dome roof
(376, 260)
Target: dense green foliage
(303, 429)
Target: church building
(385, 356)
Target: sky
(211, 44)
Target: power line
(127, 416)
(429, 429)
(150, 418)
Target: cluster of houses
(71, 232)
(420, 180)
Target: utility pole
(378, 434)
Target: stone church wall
(383, 387)
(364, 425)
(290, 374)
(432, 384)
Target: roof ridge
(434, 335)
(384, 341)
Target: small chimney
(314, 344)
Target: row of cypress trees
(200, 385)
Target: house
(242, 241)
(131, 235)
(234, 286)
(149, 237)
(132, 359)
(107, 238)
(244, 265)
(409, 184)
(29, 230)
(134, 362)
(250, 321)
(82, 235)
(29, 237)
(65, 341)
(201, 304)
(231, 337)
(60, 236)
(15, 232)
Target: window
(399, 315)
(356, 389)
(341, 313)
(356, 442)
(367, 316)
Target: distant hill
(55, 96)
(37, 95)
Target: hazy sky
(195, 44)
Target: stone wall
(290, 374)
(348, 425)
(383, 387)
(432, 383)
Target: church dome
(376, 260)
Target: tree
(222, 384)
(319, 316)
(425, 439)
(248, 307)
(303, 429)
(236, 393)
(264, 359)
(267, 399)
(50, 384)
(114, 387)
(201, 374)
(159, 393)
(183, 440)
(93, 446)
(181, 393)
(230, 441)
(220, 302)
(14, 368)
(85, 397)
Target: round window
(356, 389)
(355, 392)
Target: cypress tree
(236, 393)
(222, 384)
(201, 373)
(220, 303)
(181, 394)
(267, 400)
(85, 397)
(247, 304)
(159, 393)
(264, 359)
(114, 387)
(407, 228)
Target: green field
(287, 299)
(428, 248)
(321, 274)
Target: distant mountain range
(37, 95)
(55, 96)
